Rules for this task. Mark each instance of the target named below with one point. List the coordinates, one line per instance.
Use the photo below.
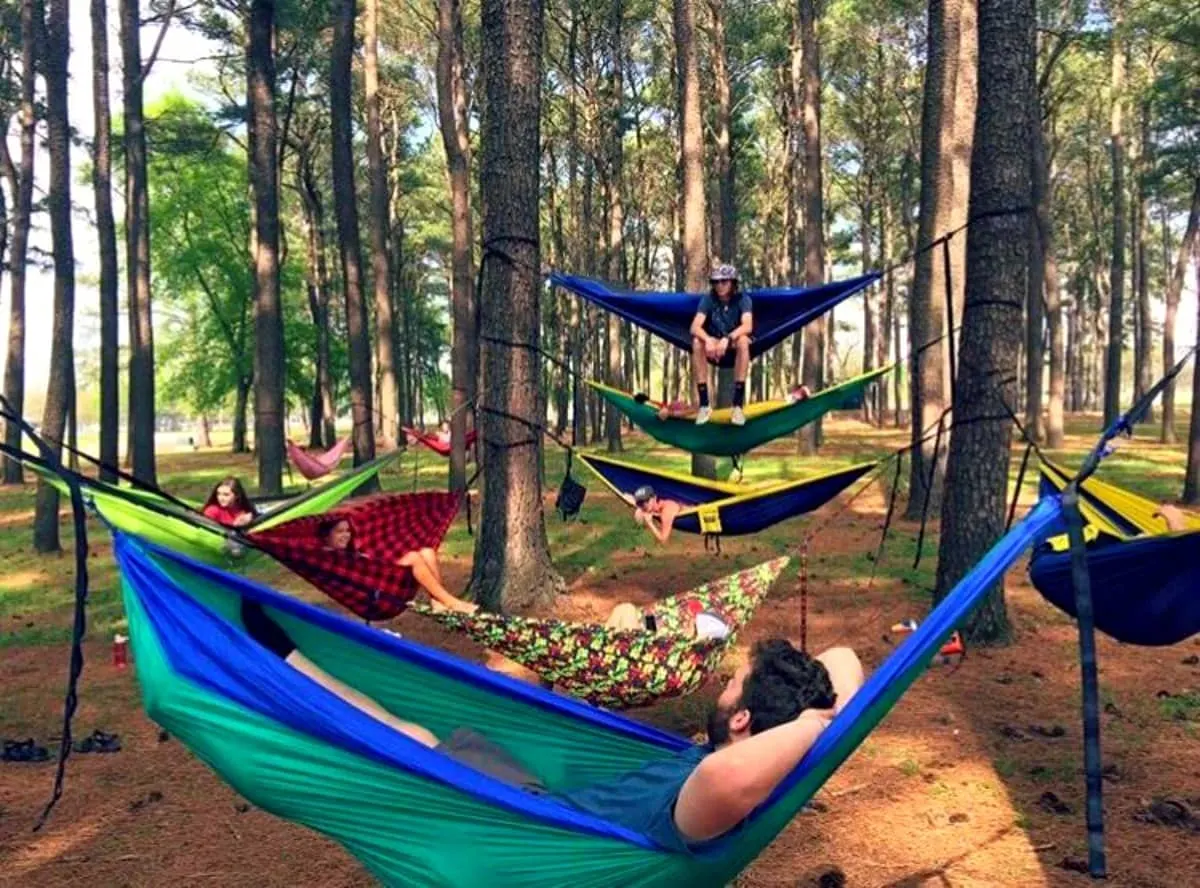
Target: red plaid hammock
(365, 579)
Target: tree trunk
(344, 195)
(1116, 286)
(616, 228)
(106, 236)
(269, 410)
(241, 404)
(1141, 273)
(452, 117)
(949, 97)
(385, 325)
(1191, 484)
(137, 252)
(512, 557)
(691, 139)
(1035, 292)
(813, 372)
(1174, 291)
(726, 235)
(1052, 287)
(14, 364)
(973, 509)
(870, 326)
(62, 355)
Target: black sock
(703, 389)
(739, 394)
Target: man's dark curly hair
(783, 682)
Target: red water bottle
(120, 651)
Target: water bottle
(120, 651)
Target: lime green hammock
(765, 421)
(624, 668)
(157, 519)
(413, 816)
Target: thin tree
(813, 371)
(452, 117)
(973, 508)
(1187, 248)
(269, 409)
(616, 211)
(346, 208)
(60, 390)
(14, 364)
(726, 236)
(512, 556)
(1116, 278)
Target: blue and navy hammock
(778, 311)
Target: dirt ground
(975, 779)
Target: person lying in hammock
(229, 504)
(705, 623)
(764, 722)
(655, 512)
(724, 321)
(421, 564)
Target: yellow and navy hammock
(721, 508)
(413, 816)
(1145, 581)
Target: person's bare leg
(431, 559)
(430, 583)
(699, 367)
(359, 700)
(625, 616)
(741, 361)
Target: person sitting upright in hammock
(420, 564)
(724, 321)
(228, 504)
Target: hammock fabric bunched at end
(765, 420)
(436, 444)
(298, 751)
(712, 507)
(778, 311)
(366, 580)
(317, 465)
(623, 668)
(1145, 582)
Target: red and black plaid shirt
(365, 579)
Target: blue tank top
(643, 800)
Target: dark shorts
(478, 752)
(264, 630)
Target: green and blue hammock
(778, 311)
(1145, 581)
(717, 508)
(765, 420)
(412, 815)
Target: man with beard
(765, 720)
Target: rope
(949, 314)
(937, 452)
(1012, 509)
(804, 595)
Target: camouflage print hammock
(624, 668)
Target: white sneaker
(737, 416)
(703, 415)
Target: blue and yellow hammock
(413, 816)
(717, 508)
(778, 311)
(1145, 581)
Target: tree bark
(1191, 484)
(269, 410)
(385, 325)
(512, 557)
(321, 410)
(14, 364)
(616, 228)
(141, 397)
(693, 212)
(1141, 273)
(60, 389)
(726, 235)
(452, 117)
(346, 204)
(106, 237)
(1035, 293)
(1116, 286)
(1052, 287)
(973, 509)
(1174, 292)
(813, 372)
(949, 92)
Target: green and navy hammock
(413, 816)
(717, 508)
(778, 311)
(1145, 581)
(624, 668)
(765, 420)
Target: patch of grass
(1183, 707)
(1022, 821)
(1005, 767)
(909, 768)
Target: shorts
(266, 631)
(476, 751)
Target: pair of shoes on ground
(737, 416)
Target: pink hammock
(316, 465)
(435, 443)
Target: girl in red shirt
(228, 504)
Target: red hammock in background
(437, 444)
(316, 465)
(365, 578)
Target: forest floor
(974, 779)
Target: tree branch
(158, 42)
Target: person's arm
(243, 519)
(697, 329)
(1173, 517)
(662, 528)
(746, 324)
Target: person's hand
(664, 412)
(243, 519)
(465, 607)
(639, 517)
(824, 716)
(722, 347)
(1173, 517)
(712, 349)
